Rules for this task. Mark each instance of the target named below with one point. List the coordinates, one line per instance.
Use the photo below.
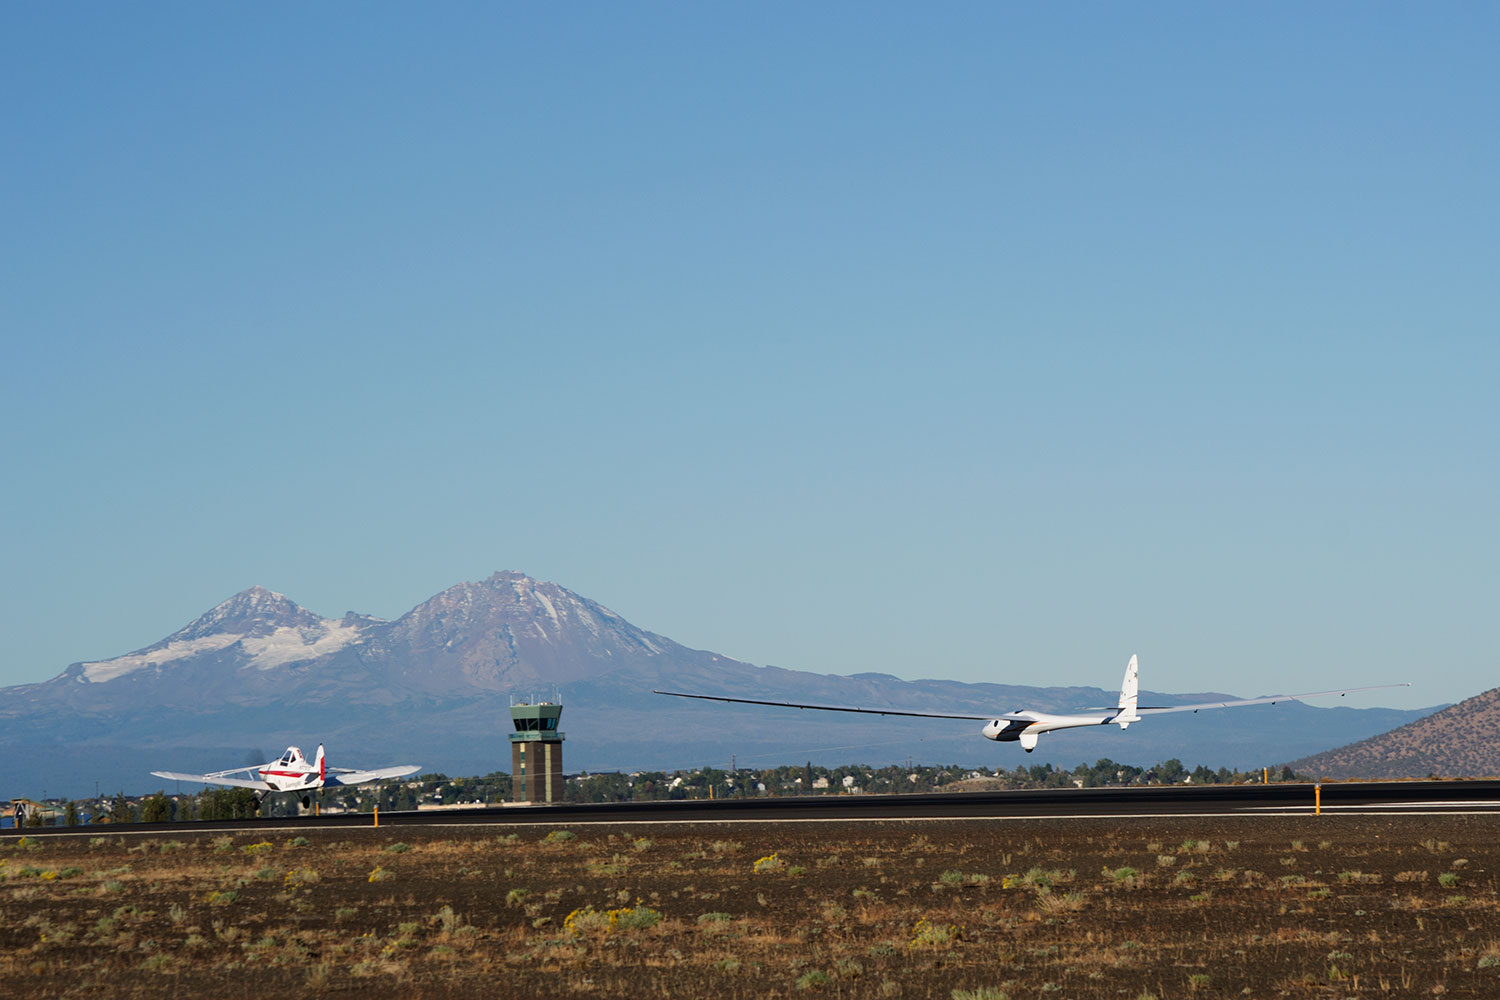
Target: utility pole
(731, 764)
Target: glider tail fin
(322, 764)
(1128, 689)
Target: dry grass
(1201, 908)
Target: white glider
(1025, 726)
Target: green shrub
(587, 921)
(771, 864)
(926, 934)
(814, 980)
(448, 920)
(849, 968)
(636, 918)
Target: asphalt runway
(1337, 798)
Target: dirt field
(1334, 906)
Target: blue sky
(992, 342)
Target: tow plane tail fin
(1128, 695)
(322, 765)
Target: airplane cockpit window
(534, 724)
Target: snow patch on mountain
(108, 670)
(551, 611)
(282, 646)
(292, 645)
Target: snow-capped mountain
(260, 628)
(258, 672)
(509, 630)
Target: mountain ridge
(1455, 741)
(433, 686)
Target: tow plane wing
(222, 778)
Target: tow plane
(1026, 726)
(292, 772)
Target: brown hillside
(1462, 740)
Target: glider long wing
(213, 779)
(1021, 717)
(1268, 700)
(831, 708)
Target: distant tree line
(811, 779)
(437, 789)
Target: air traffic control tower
(536, 773)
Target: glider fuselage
(1025, 726)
